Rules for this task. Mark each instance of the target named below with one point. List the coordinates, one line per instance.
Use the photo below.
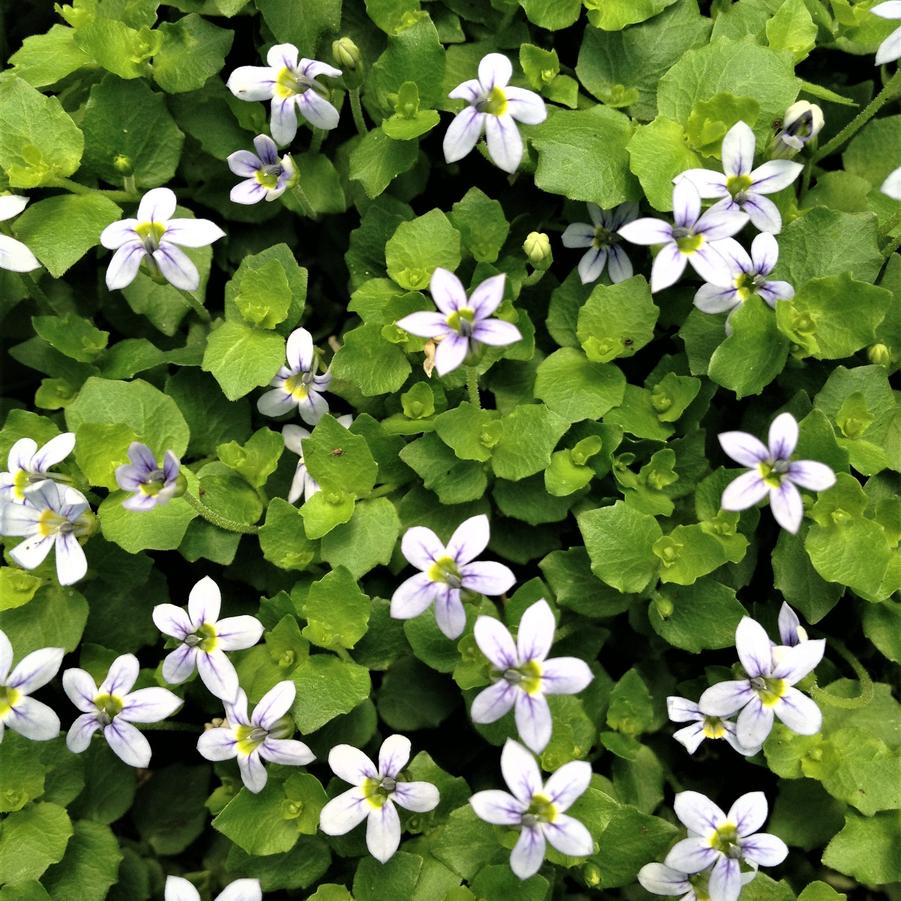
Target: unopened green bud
(349, 58)
(879, 354)
(181, 485)
(537, 247)
(664, 606)
(591, 873)
(123, 164)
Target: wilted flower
(522, 676)
(178, 889)
(892, 185)
(772, 472)
(890, 48)
(463, 323)
(681, 710)
(603, 241)
(155, 238)
(802, 122)
(747, 276)
(303, 483)
(204, 639)
(113, 707)
(266, 177)
(767, 691)
(28, 465)
(375, 792)
(297, 385)
(22, 714)
(446, 572)
(291, 86)
(494, 108)
(741, 187)
(660, 879)
(152, 484)
(51, 516)
(724, 842)
(14, 255)
(261, 736)
(539, 810)
(693, 238)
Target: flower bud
(537, 247)
(802, 122)
(123, 164)
(349, 59)
(879, 354)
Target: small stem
(128, 182)
(318, 137)
(303, 200)
(40, 295)
(195, 305)
(229, 525)
(805, 180)
(78, 188)
(357, 109)
(861, 119)
(535, 276)
(164, 726)
(892, 246)
(472, 386)
(866, 683)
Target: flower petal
(647, 231)
(420, 797)
(497, 807)
(33, 720)
(36, 669)
(763, 213)
(528, 853)
(706, 182)
(172, 620)
(345, 812)
(691, 736)
(659, 879)
(681, 710)
(129, 745)
(80, 689)
(520, 771)
(486, 298)
(241, 890)
(180, 664)
(691, 855)
(122, 675)
(570, 782)
(496, 642)
(283, 119)
(283, 56)
(890, 49)
(243, 163)
(470, 538)
(536, 632)
(286, 751)
(313, 68)
(470, 91)
(764, 849)
(394, 755)
(496, 332)
(794, 663)
(157, 205)
(533, 720)
(124, 265)
(749, 812)
(383, 832)
(487, 577)
(698, 813)
(569, 836)
(754, 724)
(71, 563)
(54, 451)
(578, 234)
(463, 134)
(811, 475)
(176, 267)
(11, 205)
(79, 735)
(774, 175)
(450, 614)
(253, 773)
(743, 492)
(451, 353)
(119, 233)
(619, 266)
(799, 712)
(504, 142)
(592, 265)
(744, 448)
(235, 633)
(248, 192)
(686, 204)
(218, 744)
(725, 698)
(413, 597)
(275, 403)
(525, 106)
(565, 676)
(787, 506)
(490, 704)
(495, 70)
(274, 704)
(217, 673)
(312, 408)
(351, 765)
(738, 149)
(178, 889)
(714, 299)
(192, 232)
(204, 602)
(6, 657)
(783, 436)
(149, 705)
(252, 82)
(318, 111)
(424, 324)
(754, 648)
(725, 880)
(668, 266)
(447, 291)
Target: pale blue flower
(23, 714)
(376, 790)
(603, 243)
(151, 484)
(266, 176)
(27, 465)
(178, 889)
(297, 385)
(537, 809)
(114, 707)
(522, 675)
(204, 639)
(702, 725)
(446, 572)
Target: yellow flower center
(50, 523)
(496, 102)
(713, 727)
(296, 387)
(444, 569)
(738, 184)
(540, 810)
(725, 840)
(150, 234)
(267, 176)
(461, 320)
(20, 483)
(249, 738)
(377, 791)
(204, 638)
(289, 83)
(9, 697)
(688, 243)
(768, 689)
(527, 677)
(772, 472)
(108, 707)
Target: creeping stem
(77, 188)
(357, 109)
(472, 386)
(303, 200)
(195, 305)
(864, 696)
(229, 525)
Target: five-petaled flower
(723, 841)
(660, 879)
(52, 516)
(694, 238)
(297, 385)
(522, 676)
(741, 187)
(890, 48)
(266, 177)
(703, 725)
(376, 789)
(21, 713)
(539, 810)
(771, 471)
(767, 691)
(446, 572)
(493, 108)
(151, 483)
(113, 707)
(263, 735)
(14, 255)
(156, 239)
(204, 639)
(603, 242)
(28, 465)
(747, 277)
(303, 483)
(290, 83)
(463, 324)
(179, 889)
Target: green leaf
(282, 538)
(868, 154)
(374, 881)
(867, 849)
(169, 810)
(800, 584)
(327, 687)
(17, 587)
(71, 335)
(620, 541)
(44, 59)
(338, 459)
(100, 448)
(481, 223)
(116, 46)
(31, 840)
(567, 138)
(689, 552)
(367, 540)
(257, 459)
(90, 866)
(500, 883)
(153, 416)
(377, 160)
(470, 431)
(882, 625)
(658, 152)
(264, 296)
(528, 436)
(697, 617)
(38, 140)
(21, 773)
(192, 51)
(614, 15)
(85, 216)
(337, 612)
(159, 529)
(754, 354)
(128, 131)
(617, 320)
(412, 696)
(54, 618)
(414, 54)
(418, 247)
(256, 822)
(631, 709)
(576, 388)
(242, 358)
(552, 14)
(792, 29)
(304, 31)
(366, 360)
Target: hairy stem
(357, 109)
(303, 200)
(78, 188)
(472, 386)
(866, 683)
(195, 305)
(221, 522)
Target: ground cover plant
(449, 450)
